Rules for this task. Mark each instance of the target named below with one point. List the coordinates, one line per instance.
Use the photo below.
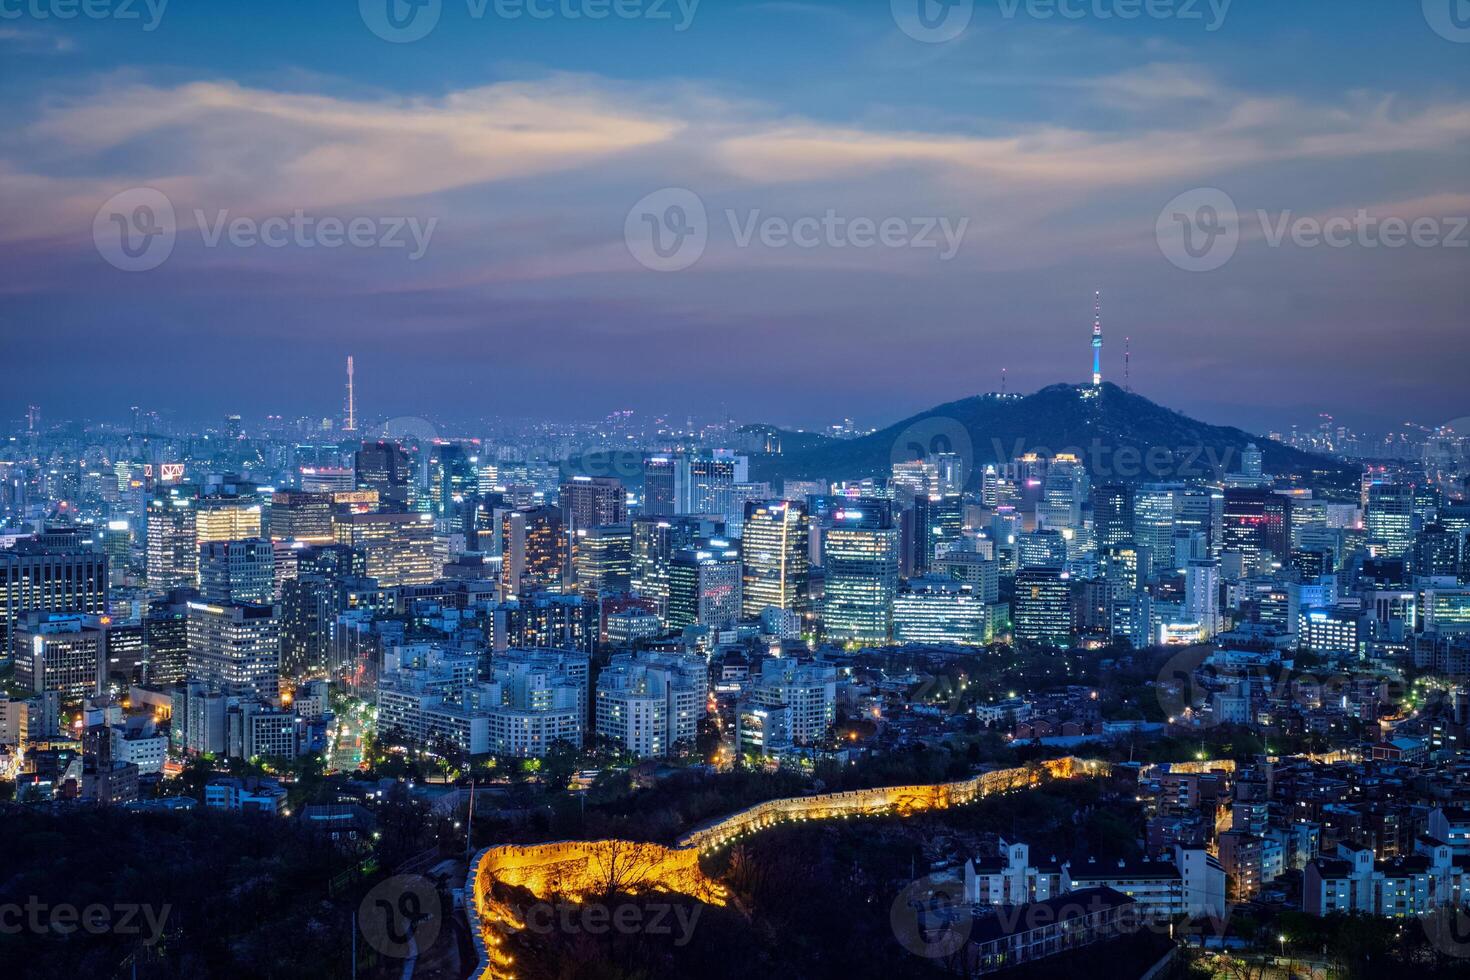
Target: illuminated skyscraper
(1390, 517)
(705, 586)
(300, 516)
(237, 571)
(385, 467)
(398, 546)
(534, 551)
(860, 556)
(1043, 607)
(603, 559)
(588, 501)
(655, 542)
(172, 545)
(235, 649)
(453, 478)
(226, 519)
(774, 551)
(1112, 514)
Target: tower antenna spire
(1097, 338)
(351, 425)
(1127, 357)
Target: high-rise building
(1154, 506)
(789, 703)
(940, 611)
(1042, 612)
(172, 545)
(235, 649)
(603, 559)
(385, 467)
(237, 571)
(226, 518)
(534, 551)
(705, 585)
(398, 547)
(299, 516)
(1112, 514)
(35, 577)
(660, 486)
(1389, 517)
(453, 478)
(588, 501)
(1064, 490)
(60, 652)
(1202, 595)
(166, 633)
(775, 552)
(973, 569)
(860, 558)
(937, 522)
(1256, 524)
(655, 542)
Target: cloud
(223, 145)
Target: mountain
(1123, 437)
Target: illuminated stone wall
(578, 870)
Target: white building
(1355, 882)
(147, 749)
(807, 692)
(1192, 884)
(651, 702)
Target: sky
(791, 211)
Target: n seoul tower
(1097, 339)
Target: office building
(860, 556)
(775, 555)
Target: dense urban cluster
(295, 618)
